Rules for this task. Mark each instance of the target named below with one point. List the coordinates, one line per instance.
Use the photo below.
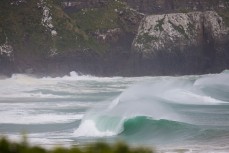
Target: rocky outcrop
(6, 50)
(46, 20)
(168, 31)
(6, 57)
(114, 37)
(183, 41)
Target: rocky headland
(114, 37)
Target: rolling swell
(165, 109)
(144, 124)
(146, 129)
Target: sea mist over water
(188, 112)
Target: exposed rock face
(166, 32)
(46, 20)
(6, 50)
(196, 39)
(215, 26)
(6, 57)
(114, 37)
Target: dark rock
(105, 37)
(183, 43)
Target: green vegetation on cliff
(225, 15)
(93, 19)
(35, 28)
(43, 32)
(85, 33)
(69, 35)
(42, 28)
(21, 24)
(96, 20)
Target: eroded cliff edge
(186, 42)
(108, 38)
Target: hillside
(114, 37)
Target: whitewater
(169, 113)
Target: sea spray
(170, 112)
(163, 109)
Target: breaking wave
(163, 108)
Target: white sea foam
(183, 96)
(15, 95)
(216, 79)
(22, 117)
(22, 85)
(135, 101)
(114, 103)
(88, 129)
(153, 99)
(75, 76)
(30, 100)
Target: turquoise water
(188, 113)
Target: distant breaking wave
(162, 109)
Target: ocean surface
(171, 114)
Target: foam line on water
(27, 118)
(71, 86)
(75, 76)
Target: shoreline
(68, 73)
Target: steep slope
(107, 37)
(187, 42)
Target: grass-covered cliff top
(43, 28)
(37, 28)
(93, 19)
(23, 147)
(21, 25)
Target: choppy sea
(171, 114)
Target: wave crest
(160, 104)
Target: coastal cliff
(190, 42)
(108, 38)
